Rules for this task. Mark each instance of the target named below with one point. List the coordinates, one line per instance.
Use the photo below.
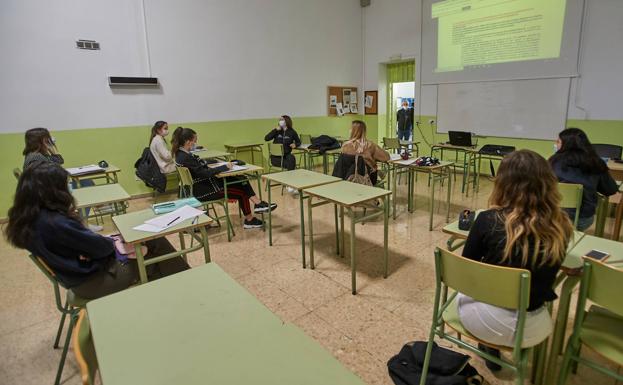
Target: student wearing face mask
(158, 147)
(404, 120)
(285, 135)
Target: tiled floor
(361, 331)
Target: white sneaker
(292, 191)
(95, 228)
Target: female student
(41, 147)
(158, 147)
(576, 161)
(44, 221)
(358, 144)
(285, 135)
(524, 228)
(207, 186)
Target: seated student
(524, 228)
(158, 147)
(358, 144)
(576, 161)
(285, 135)
(207, 186)
(41, 147)
(44, 221)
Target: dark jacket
(286, 138)
(33, 157)
(323, 143)
(592, 183)
(405, 119)
(485, 243)
(206, 184)
(60, 241)
(148, 171)
(345, 167)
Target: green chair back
(186, 181)
(275, 149)
(391, 144)
(17, 173)
(571, 198)
(306, 139)
(49, 273)
(84, 349)
(495, 285)
(603, 285)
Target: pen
(195, 219)
(168, 224)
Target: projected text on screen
(475, 33)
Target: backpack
(148, 171)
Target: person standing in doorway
(404, 120)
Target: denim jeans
(585, 223)
(404, 134)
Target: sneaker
(262, 207)
(95, 228)
(292, 191)
(253, 223)
(492, 366)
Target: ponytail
(180, 136)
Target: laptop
(460, 138)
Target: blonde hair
(358, 135)
(526, 196)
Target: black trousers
(120, 276)
(289, 161)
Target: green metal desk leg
(559, 327)
(259, 188)
(311, 233)
(394, 192)
(448, 196)
(431, 204)
(206, 244)
(183, 245)
(410, 187)
(252, 155)
(270, 215)
(385, 232)
(140, 262)
(302, 209)
(325, 163)
(353, 264)
(342, 249)
(226, 207)
(337, 231)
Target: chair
(496, 285)
(72, 306)
(611, 151)
(393, 145)
(186, 191)
(601, 327)
(307, 139)
(17, 173)
(84, 350)
(571, 198)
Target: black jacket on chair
(148, 171)
(323, 143)
(345, 167)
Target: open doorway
(400, 83)
(403, 95)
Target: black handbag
(466, 219)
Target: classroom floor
(363, 331)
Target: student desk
(101, 195)
(616, 170)
(125, 225)
(569, 282)
(251, 172)
(212, 154)
(348, 195)
(471, 160)
(298, 179)
(437, 173)
(251, 147)
(200, 327)
(109, 173)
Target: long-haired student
(358, 144)
(285, 135)
(43, 220)
(158, 147)
(207, 186)
(40, 147)
(524, 228)
(576, 161)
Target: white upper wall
(216, 60)
(392, 28)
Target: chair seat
(75, 300)
(602, 331)
(452, 319)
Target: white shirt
(162, 154)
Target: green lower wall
(121, 146)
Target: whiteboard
(535, 108)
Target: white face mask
(282, 123)
(555, 148)
(193, 147)
(165, 132)
(53, 140)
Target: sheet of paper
(306, 145)
(339, 109)
(406, 162)
(369, 100)
(163, 222)
(353, 96)
(332, 100)
(394, 156)
(353, 108)
(235, 168)
(346, 109)
(88, 169)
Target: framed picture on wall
(371, 102)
